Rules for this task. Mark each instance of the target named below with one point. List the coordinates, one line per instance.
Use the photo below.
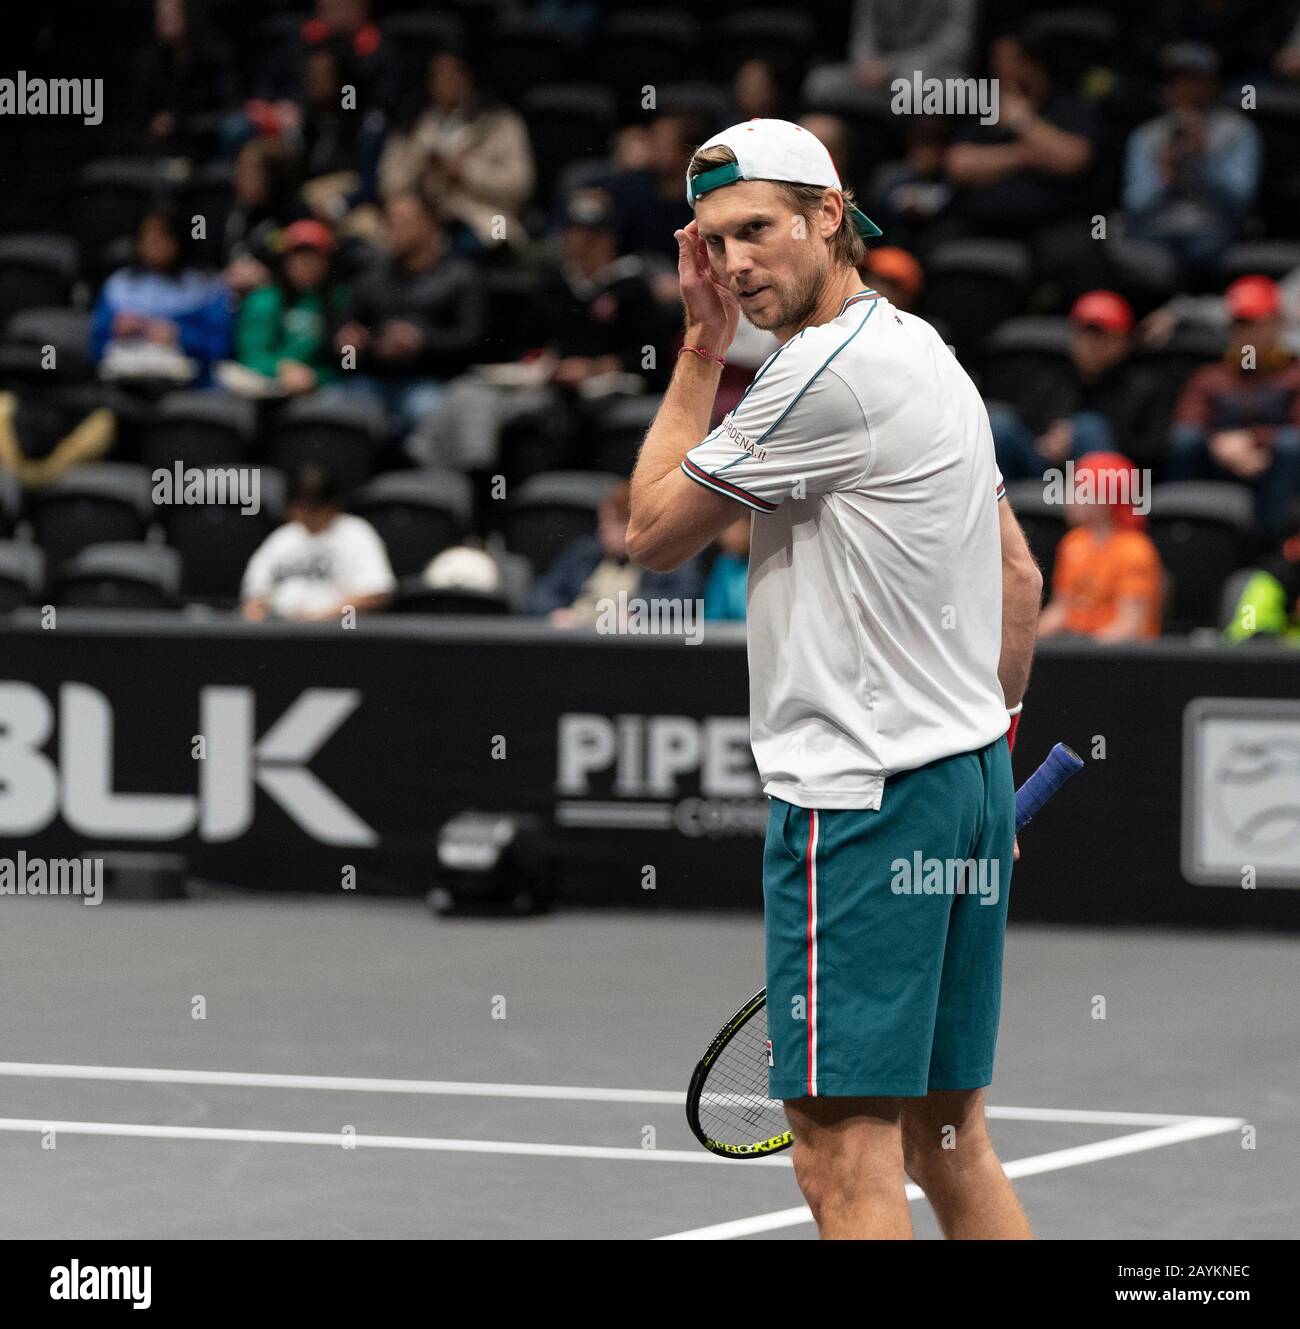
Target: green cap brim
(730, 174)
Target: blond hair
(846, 244)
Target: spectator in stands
(1030, 168)
(415, 319)
(162, 308)
(650, 200)
(1240, 419)
(601, 321)
(1108, 583)
(895, 274)
(345, 30)
(1091, 409)
(911, 196)
(891, 39)
(469, 153)
(286, 328)
(832, 133)
(265, 179)
(1268, 608)
(320, 562)
(1191, 174)
(183, 74)
(727, 586)
(758, 90)
(594, 570)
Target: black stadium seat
(216, 540)
(417, 514)
(121, 576)
(67, 330)
(553, 508)
(35, 271)
(414, 597)
(198, 428)
(1042, 522)
(618, 425)
(1272, 258)
(1157, 376)
(343, 433)
(108, 198)
(1204, 532)
(1026, 363)
(973, 285)
(647, 47)
(567, 122)
(528, 51)
(11, 503)
(101, 503)
(22, 574)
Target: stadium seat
(417, 514)
(11, 503)
(66, 330)
(35, 271)
(414, 597)
(108, 198)
(208, 192)
(527, 51)
(511, 315)
(121, 576)
(341, 432)
(553, 508)
(22, 574)
(712, 102)
(216, 540)
(199, 429)
(414, 38)
(784, 38)
(101, 503)
(1144, 273)
(1204, 530)
(567, 122)
(1273, 258)
(1026, 363)
(1076, 40)
(646, 47)
(875, 132)
(974, 285)
(1276, 114)
(1042, 522)
(617, 426)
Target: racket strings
(734, 1106)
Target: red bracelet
(708, 355)
(1015, 724)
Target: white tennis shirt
(875, 566)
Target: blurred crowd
(418, 264)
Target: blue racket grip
(1061, 763)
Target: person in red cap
(1054, 420)
(285, 327)
(1240, 419)
(1107, 582)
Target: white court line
(336, 1139)
(355, 1084)
(39, 1070)
(1192, 1128)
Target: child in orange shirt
(1108, 583)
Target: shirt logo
(743, 441)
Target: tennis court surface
(480, 1078)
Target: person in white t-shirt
(318, 563)
(892, 605)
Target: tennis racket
(727, 1105)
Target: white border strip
(1195, 1128)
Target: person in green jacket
(286, 328)
(1269, 605)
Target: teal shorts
(884, 933)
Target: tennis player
(892, 604)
